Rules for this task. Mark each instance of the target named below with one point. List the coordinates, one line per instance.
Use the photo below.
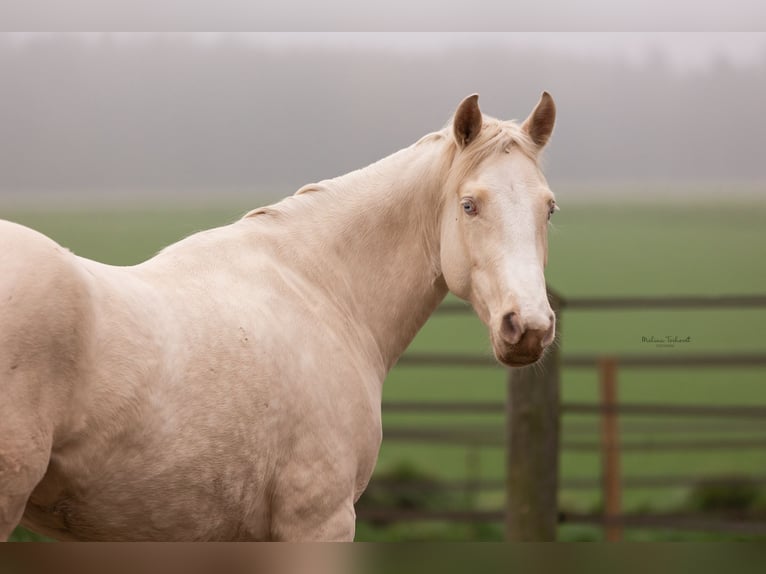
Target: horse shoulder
(44, 305)
(44, 320)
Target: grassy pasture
(626, 248)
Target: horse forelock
(496, 136)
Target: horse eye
(469, 207)
(553, 209)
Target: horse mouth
(519, 361)
(511, 357)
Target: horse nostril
(511, 329)
(550, 332)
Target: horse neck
(383, 224)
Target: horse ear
(467, 122)
(539, 124)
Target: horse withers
(229, 388)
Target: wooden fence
(532, 433)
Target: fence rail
(483, 439)
(647, 302)
(666, 302)
(488, 407)
(583, 483)
(642, 409)
(736, 524)
(591, 361)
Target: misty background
(262, 114)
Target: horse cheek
(456, 265)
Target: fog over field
(155, 114)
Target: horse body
(228, 388)
(184, 405)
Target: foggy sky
(220, 113)
(402, 15)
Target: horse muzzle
(517, 343)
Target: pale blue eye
(469, 206)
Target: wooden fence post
(532, 422)
(610, 450)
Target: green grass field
(627, 248)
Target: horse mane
(496, 136)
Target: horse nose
(514, 331)
(511, 329)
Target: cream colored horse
(229, 388)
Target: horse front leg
(25, 448)
(313, 501)
(19, 474)
(302, 523)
